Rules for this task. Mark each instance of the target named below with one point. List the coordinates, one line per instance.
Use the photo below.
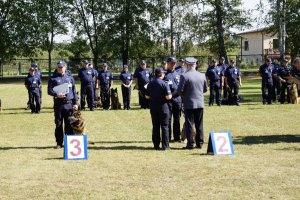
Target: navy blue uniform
(159, 110)
(105, 79)
(232, 75)
(143, 77)
(172, 78)
(62, 107)
(224, 88)
(266, 72)
(284, 72)
(126, 78)
(214, 74)
(180, 70)
(33, 84)
(94, 84)
(86, 76)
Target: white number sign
(221, 143)
(75, 147)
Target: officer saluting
(159, 93)
(64, 103)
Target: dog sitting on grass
(183, 133)
(293, 93)
(115, 103)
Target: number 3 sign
(75, 147)
(220, 143)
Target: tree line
(136, 28)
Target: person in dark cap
(175, 104)
(105, 81)
(142, 76)
(126, 81)
(266, 71)
(32, 84)
(159, 93)
(223, 66)
(233, 81)
(180, 69)
(65, 101)
(214, 76)
(283, 73)
(86, 76)
(164, 65)
(192, 87)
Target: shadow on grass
(28, 147)
(121, 148)
(59, 158)
(120, 142)
(266, 139)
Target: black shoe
(27, 108)
(219, 104)
(92, 109)
(189, 148)
(210, 104)
(157, 148)
(199, 146)
(38, 112)
(166, 149)
(59, 146)
(238, 104)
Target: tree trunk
(171, 27)
(220, 30)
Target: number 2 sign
(75, 147)
(220, 143)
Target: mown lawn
(122, 164)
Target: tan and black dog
(115, 103)
(293, 93)
(183, 133)
(98, 103)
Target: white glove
(75, 107)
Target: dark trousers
(143, 101)
(34, 100)
(233, 91)
(160, 120)
(61, 113)
(267, 91)
(215, 89)
(284, 89)
(175, 111)
(41, 92)
(276, 89)
(87, 91)
(194, 116)
(105, 97)
(126, 93)
(225, 95)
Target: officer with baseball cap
(214, 76)
(159, 93)
(283, 73)
(86, 76)
(233, 81)
(175, 104)
(32, 84)
(126, 81)
(142, 76)
(105, 78)
(64, 101)
(266, 71)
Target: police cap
(190, 60)
(85, 62)
(34, 65)
(61, 63)
(142, 62)
(159, 71)
(222, 58)
(171, 59)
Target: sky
(247, 4)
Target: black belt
(62, 102)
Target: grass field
(122, 164)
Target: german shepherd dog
(183, 133)
(98, 103)
(293, 93)
(115, 103)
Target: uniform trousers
(143, 101)
(34, 99)
(175, 111)
(105, 97)
(233, 91)
(215, 89)
(194, 116)
(284, 89)
(267, 91)
(87, 91)
(126, 93)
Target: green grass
(122, 164)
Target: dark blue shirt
(158, 90)
(284, 72)
(180, 70)
(105, 78)
(172, 78)
(59, 79)
(126, 77)
(143, 76)
(223, 67)
(266, 72)
(295, 73)
(232, 74)
(32, 82)
(214, 73)
(86, 75)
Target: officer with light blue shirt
(159, 93)
(126, 81)
(64, 102)
(266, 71)
(105, 81)
(172, 78)
(214, 76)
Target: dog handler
(126, 81)
(105, 81)
(64, 103)
(192, 85)
(159, 93)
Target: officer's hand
(61, 96)
(75, 107)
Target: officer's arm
(168, 97)
(207, 80)
(205, 86)
(129, 84)
(240, 80)
(50, 89)
(180, 87)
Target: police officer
(276, 82)
(266, 71)
(86, 76)
(126, 81)
(64, 103)
(180, 69)
(37, 73)
(142, 76)
(164, 65)
(283, 73)
(214, 76)
(172, 79)
(94, 82)
(233, 81)
(223, 66)
(105, 81)
(192, 87)
(159, 93)
(33, 84)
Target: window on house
(246, 45)
(275, 44)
